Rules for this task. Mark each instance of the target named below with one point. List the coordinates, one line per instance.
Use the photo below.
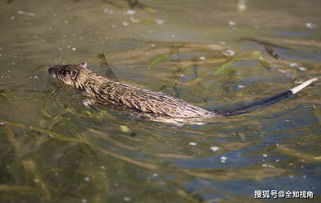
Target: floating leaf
(124, 128)
(157, 60)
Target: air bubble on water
(311, 26)
(231, 23)
(214, 148)
(301, 68)
(130, 12)
(192, 143)
(125, 24)
(293, 65)
(228, 52)
(160, 21)
(223, 159)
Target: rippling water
(209, 53)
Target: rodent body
(153, 105)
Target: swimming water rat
(154, 105)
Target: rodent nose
(50, 69)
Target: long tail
(268, 101)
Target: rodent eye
(63, 72)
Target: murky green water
(54, 149)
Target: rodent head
(69, 74)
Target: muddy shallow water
(209, 53)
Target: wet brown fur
(155, 105)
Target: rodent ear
(73, 74)
(84, 65)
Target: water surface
(54, 149)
